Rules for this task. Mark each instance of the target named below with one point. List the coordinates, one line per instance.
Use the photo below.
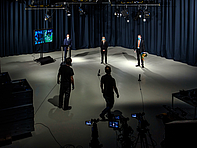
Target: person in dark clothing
(66, 73)
(104, 46)
(140, 47)
(68, 44)
(108, 86)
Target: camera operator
(108, 84)
(66, 73)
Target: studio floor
(159, 79)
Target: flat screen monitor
(43, 36)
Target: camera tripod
(94, 143)
(142, 136)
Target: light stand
(143, 131)
(139, 80)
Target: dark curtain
(17, 26)
(170, 31)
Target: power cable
(45, 98)
(50, 133)
(65, 146)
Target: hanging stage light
(146, 14)
(117, 13)
(125, 13)
(127, 19)
(142, 13)
(68, 11)
(139, 14)
(48, 16)
(81, 11)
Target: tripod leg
(146, 142)
(151, 139)
(142, 142)
(137, 140)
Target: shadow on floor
(54, 100)
(81, 54)
(126, 55)
(60, 115)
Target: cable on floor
(50, 133)
(65, 146)
(45, 98)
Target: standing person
(108, 86)
(104, 46)
(68, 43)
(66, 73)
(140, 47)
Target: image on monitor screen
(43, 36)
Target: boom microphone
(98, 73)
(139, 79)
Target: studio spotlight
(68, 11)
(81, 11)
(138, 14)
(146, 14)
(117, 13)
(144, 20)
(125, 13)
(48, 17)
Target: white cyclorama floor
(160, 78)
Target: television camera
(119, 124)
(143, 131)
